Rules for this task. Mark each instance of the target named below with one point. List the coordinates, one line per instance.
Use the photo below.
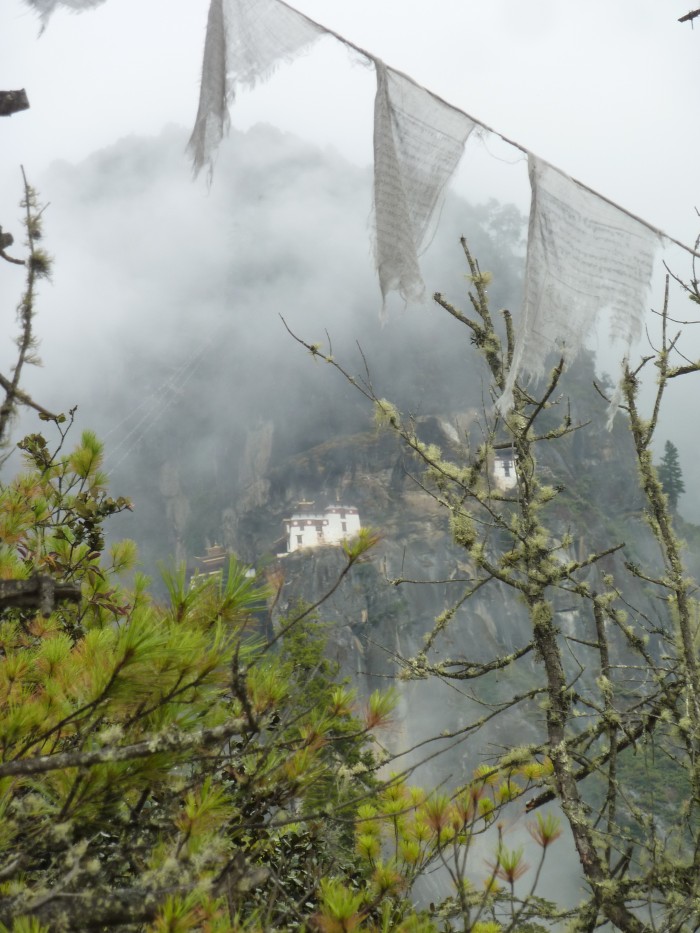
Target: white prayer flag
(245, 41)
(585, 259)
(418, 142)
(212, 120)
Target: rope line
(155, 405)
(484, 126)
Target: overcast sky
(606, 91)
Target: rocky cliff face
(376, 623)
(218, 423)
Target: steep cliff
(376, 622)
(217, 423)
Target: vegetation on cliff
(179, 765)
(624, 679)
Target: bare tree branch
(165, 742)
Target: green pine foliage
(671, 475)
(159, 768)
(183, 766)
(168, 768)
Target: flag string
(46, 7)
(489, 129)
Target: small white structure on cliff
(504, 474)
(310, 527)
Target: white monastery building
(310, 527)
(504, 474)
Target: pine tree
(145, 748)
(162, 767)
(671, 475)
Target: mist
(163, 324)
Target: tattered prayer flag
(418, 142)
(586, 259)
(212, 120)
(245, 41)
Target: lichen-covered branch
(38, 267)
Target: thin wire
(518, 160)
(158, 404)
(149, 400)
(146, 422)
(152, 402)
